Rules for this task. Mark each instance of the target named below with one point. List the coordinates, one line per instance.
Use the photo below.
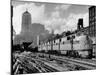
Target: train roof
(65, 34)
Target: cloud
(62, 7)
(55, 24)
(37, 13)
(55, 14)
(64, 24)
(55, 21)
(72, 21)
(65, 7)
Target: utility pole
(52, 33)
(71, 43)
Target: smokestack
(80, 24)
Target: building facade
(92, 21)
(26, 21)
(92, 26)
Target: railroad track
(86, 65)
(67, 64)
(78, 63)
(31, 65)
(34, 64)
(27, 66)
(47, 67)
(41, 64)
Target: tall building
(26, 21)
(92, 20)
(92, 27)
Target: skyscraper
(92, 20)
(26, 21)
(92, 27)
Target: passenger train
(72, 45)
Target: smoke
(59, 24)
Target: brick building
(92, 21)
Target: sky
(54, 16)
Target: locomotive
(72, 45)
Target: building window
(89, 13)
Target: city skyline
(59, 17)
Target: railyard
(28, 62)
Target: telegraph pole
(71, 43)
(52, 33)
